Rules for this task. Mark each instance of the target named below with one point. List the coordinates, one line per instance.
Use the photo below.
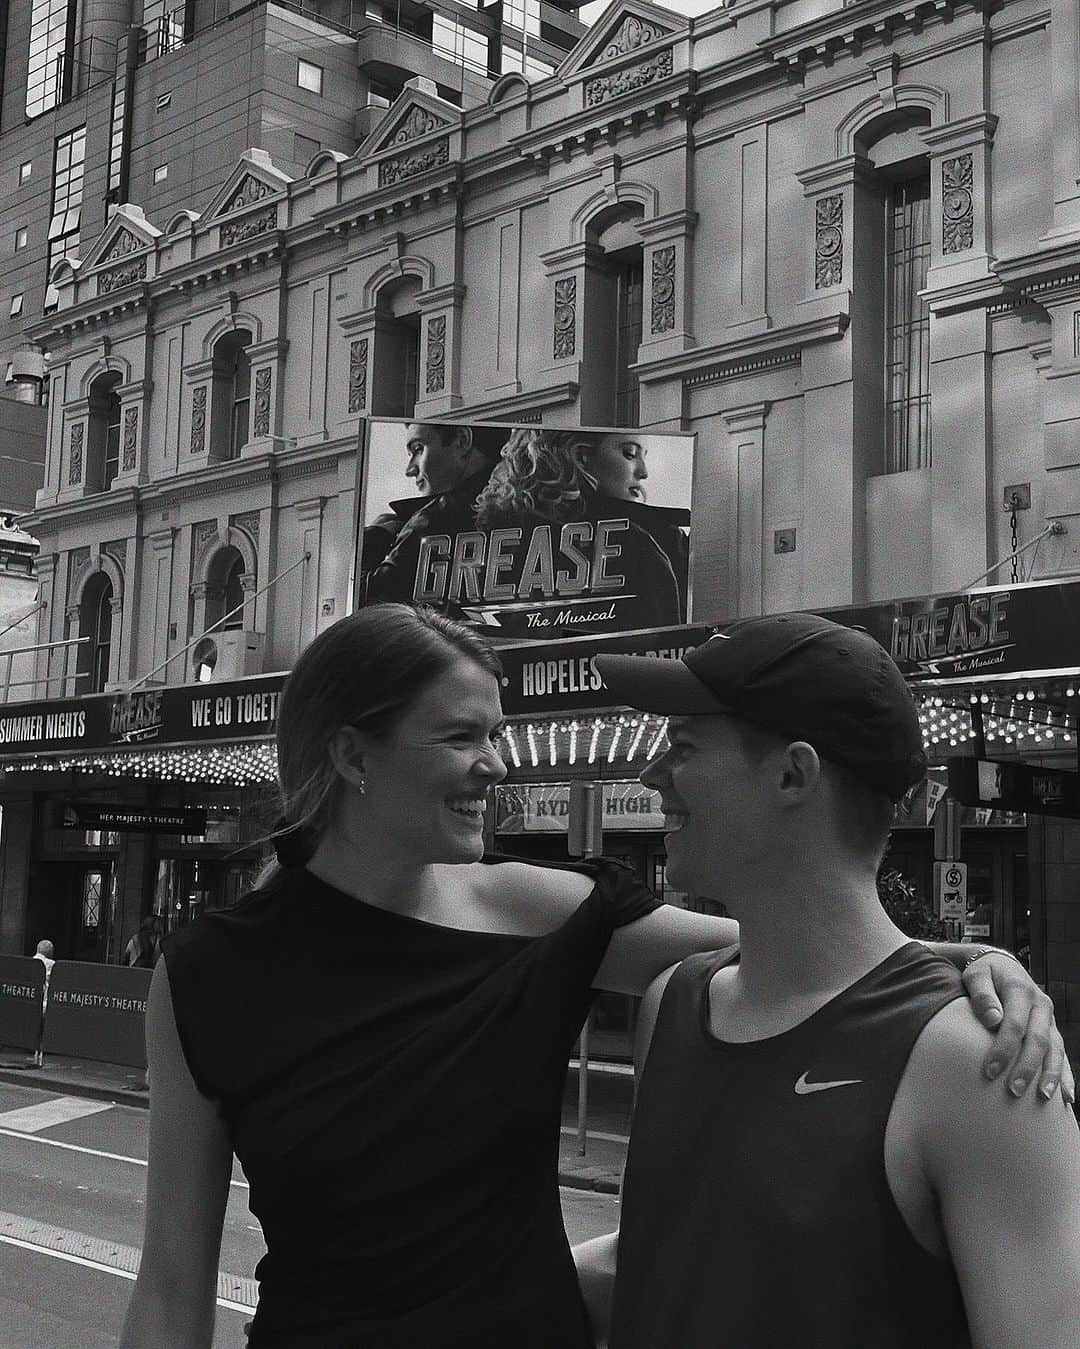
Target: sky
(592, 11)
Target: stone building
(840, 242)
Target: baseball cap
(798, 675)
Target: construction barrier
(97, 1012)
(22, 986)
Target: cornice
(547, 395)
(866, 24)
(388, 203)
(704, 365)
(1054, 265)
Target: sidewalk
(600, 1169)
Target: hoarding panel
(527, 532)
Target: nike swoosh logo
(804, 1088)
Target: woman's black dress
(393, 1091)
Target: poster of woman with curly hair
(528, 531)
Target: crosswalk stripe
(28, 1119)
(90, 1152)
(111, 1257)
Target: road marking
(90, 1152)
(29, 1119)
(234, 1291)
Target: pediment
(413, 116)
(127, 232)
(254, 178)
(624, 28)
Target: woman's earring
(361, 786)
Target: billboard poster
(527, 532)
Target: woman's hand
(1027, 1042)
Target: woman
(380, 1030)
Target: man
(815, 1159)
(440, 460)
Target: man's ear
(464, 438)
(347, 755)
(800, 771)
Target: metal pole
(583, 1085)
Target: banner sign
(184, 714)
(22, 983)
(545, 808)
(133, 819)
(1007, 785)
(984, 635)
(527, 531)
(97, 1012)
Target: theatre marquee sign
(243, 709)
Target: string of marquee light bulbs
(1019, 718)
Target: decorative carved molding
(435, 378)
(828, 241)
(625, 81)
(663, 289)
(631, 34)
(249, 190)
(358, 358)
(249, 523)
(236, 231)
(205, 530)
(124, 243)
(565, 317)
(957, 205)
(417, 122)
(75, 453)
(395, 170)
(264, 379)
(131, 439)
(198, 419)
(118, 277)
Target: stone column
(309, 518)
(668, 282)
(118, 638)
(746, 431)
(71, 653)
(134, 401)
(267, 396)
(439, 389)
(961, 243)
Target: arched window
(103, 439)
(892, 225)
(231, 405)
(225, 591)
(95, 624)
(396, 364)
(613, 306)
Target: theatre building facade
(790, 227)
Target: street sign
(133, 819)
(1008, 785)
(950, 887)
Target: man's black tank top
(756, 1207)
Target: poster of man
(528, 531)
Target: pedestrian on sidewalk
(808, 1118)
(45, 952)
(380, 1030)
(144, 946)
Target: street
(71, 1219)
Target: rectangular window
(48, 71)
(451, 38)
(304, 148)
(161, 173)
(162, 26)
(16, 305)
(163, 101)
(25, 170)
(20, 237)
(907, 326)
(68, 160)
(627, 341)
(309, 76)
